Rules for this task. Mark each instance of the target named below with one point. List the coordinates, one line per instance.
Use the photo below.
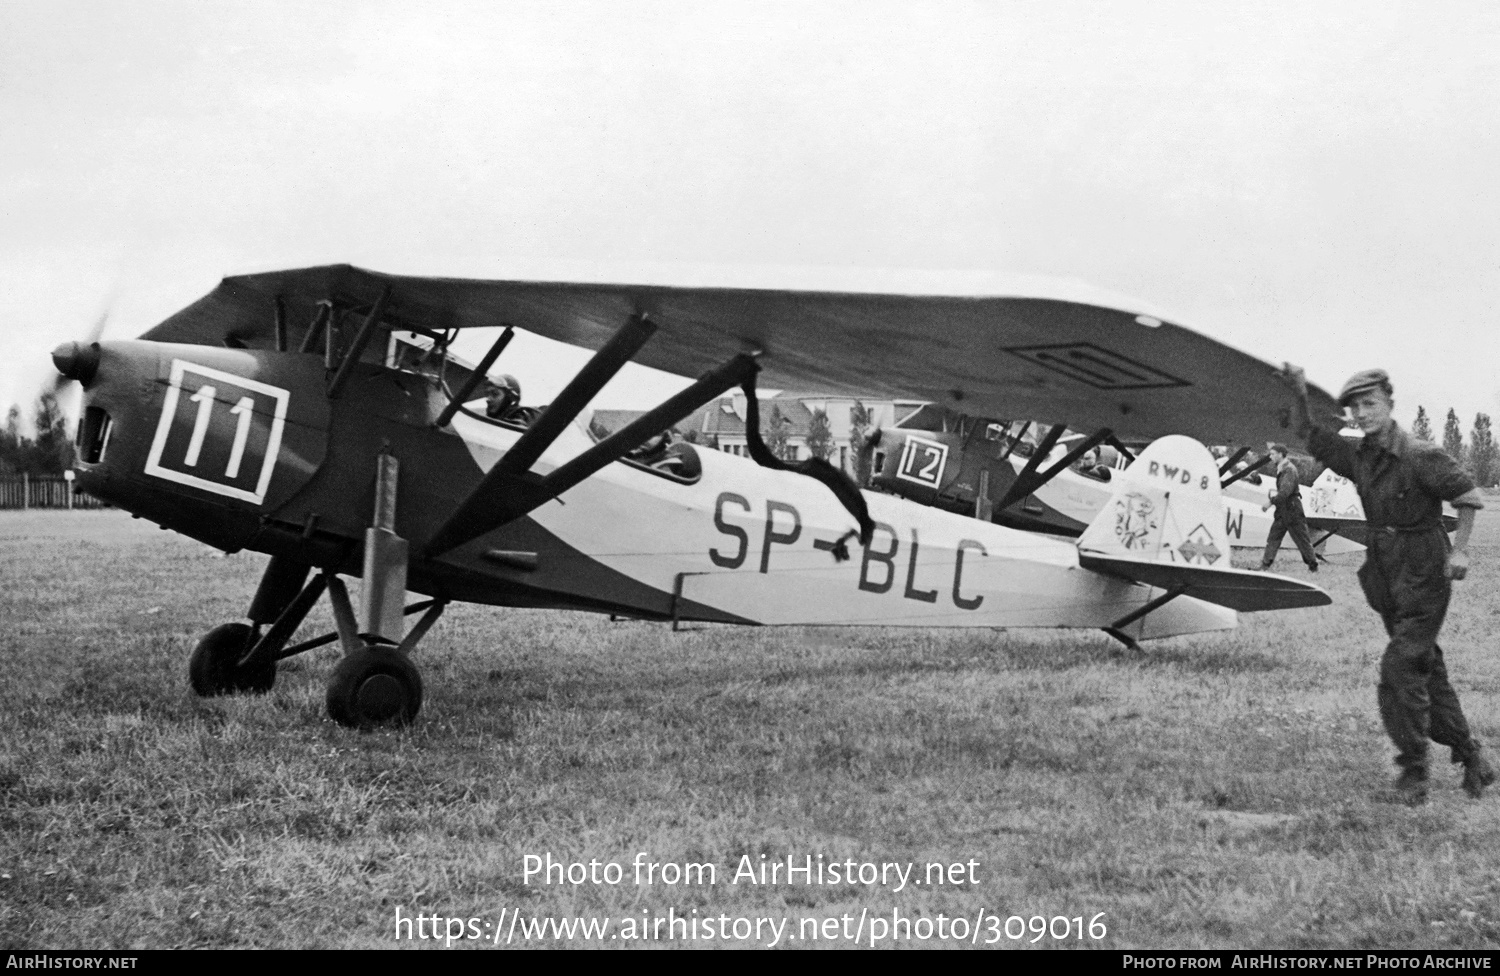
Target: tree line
(49, 452)
(1480, 455)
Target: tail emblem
(1135, 520)
(1200, 545)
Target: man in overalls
(1408, 571)
(1287, 497)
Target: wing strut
(475, 378)
(599, 370)
(1247, 470)
(510, 489)
(315, 330)
(1116, 629)
(361, 339)
(1014, 441)
(280, 309)
(1029, 480)
(1118, 445)
(1232, 460)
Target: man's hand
(1464, 506)
(1295, 378)
(1458, 564)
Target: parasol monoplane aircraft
(991, 466)
(279, 414)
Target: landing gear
(218, 665)
(238, 657)
(375, 685)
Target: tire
(373, 687)
(214, 667)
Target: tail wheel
(214, 669)
(374, 686)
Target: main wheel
(376, 685)
(214, 668)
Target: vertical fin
(1164, 508)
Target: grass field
(1220, 791)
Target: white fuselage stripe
(743, 540)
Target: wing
(1057, 353)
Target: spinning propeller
(77, 361)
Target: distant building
(721, 423)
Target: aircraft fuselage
(243, 449)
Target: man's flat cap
(1365, 379)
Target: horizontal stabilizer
(1334, 497)
(1349, 528)
(1358, 530)
(1164, 526)
(1238, 589)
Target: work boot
(1478, 774)
(1410, 787)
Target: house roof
(718, 418)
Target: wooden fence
(28, 492)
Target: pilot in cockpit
(1091, 465)
(503, 398)
(503, 402)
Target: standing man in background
(1408, 571)
(1287, 497)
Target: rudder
(1165, 508)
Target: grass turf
(1219, 791)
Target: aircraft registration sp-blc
(280, 414)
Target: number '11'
(242, 410)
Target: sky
(1314, 182)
